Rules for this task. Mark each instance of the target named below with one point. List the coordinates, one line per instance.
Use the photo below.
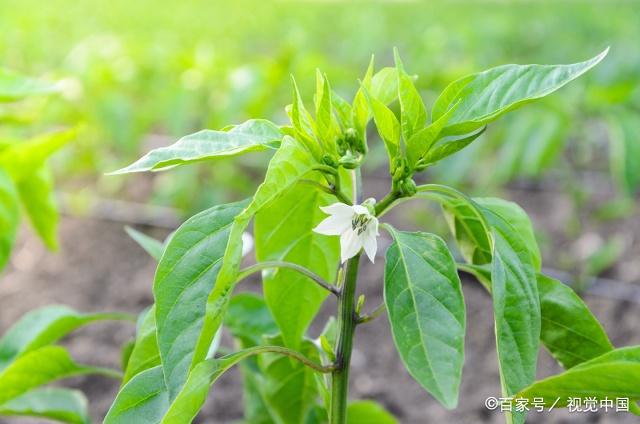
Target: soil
(99, 268)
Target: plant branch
(290, 265)
(290, 353)
(386, 202)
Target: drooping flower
(356, 226)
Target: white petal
(338, 209)
(333, 226)
(360, 210)
(350, 245)
(370, 244)
(247, 243)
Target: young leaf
(14, 86)
(144, 399)
(303, 123)
(9, 216)
(368, 412)
(413, 115)
(420, 143)
(145, 353)
(569, 330)
(612, 375)
(290, 164)
(250, 136)
(184, 278)
(387, 125)
(283, 232)
(44, 326)
(36, 195)
(39, 367)
(448, 146)
(487, 95)
(426, 310)
(153, 247)
(69, 406)
(325, 123)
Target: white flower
(355, 225)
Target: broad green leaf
(14, 86)
(184, 278)
(448, 146)
(153, 247)
(487, 95)
(252, 135)
(284, 232)
(612, 375)
(288, 387)
(145, 353)
(419, 143)
(21, 159)
(291, 163)
(9, 216)
(144, 399)
(39, 367)
(249, 319)
(68, 406)
(426, 310)
(37, 197)
(44, 326)
(569, 330)
(387, 125)
(413, 115)
(368, 412)
(516, 216)
(625, 150)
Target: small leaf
(69, 406)
(413, 115)
(144, 399)
(253, 135)
(153, 247)
(450, 145)
(387, 125)
(420, 143)
(426, 310)
(368, 412)
(325, 123)
(487, 95)
(44, 326)
(184, 278)
(37, 197)
(145, 353)
(9, 216)
(14, 86)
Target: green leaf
(303, 123)
(248, 318)
(39, 367)
(68, 406)
(624, 150)
(290, 164)
(284, 232)
(421, 142)
(145, 353)
(9, 216)
(288, 387)
(37, 197)
(184, 278)
(153, 247)
(325, 123)
(426, 310)
(21, 159)
(569, 330)
(413, 115)
(448, 146)
(387, 125)
(516, 216)
(612, 375)
(368, 412)
(14, 86)
(144, 399)
(252, 135)
(44, 326)
(487, 95)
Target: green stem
(379, 310)
(347, 321)
(386, 202)
(244, 273)
(256, 350)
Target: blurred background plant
(141, 74)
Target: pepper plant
(312, 221)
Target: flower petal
(350, 245)
(360, 210)
(370, 241)
(338, 209)
(333, 226)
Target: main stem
(347, 322)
